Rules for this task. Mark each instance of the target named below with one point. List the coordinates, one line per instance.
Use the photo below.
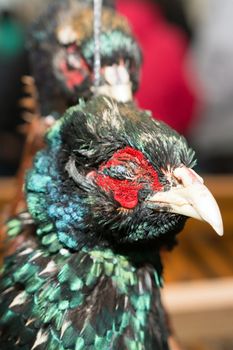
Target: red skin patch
(125, 192)
(74, 77)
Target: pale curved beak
(117, 84)
(190, 198)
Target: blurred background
(187, 81)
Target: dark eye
(69, 45)
(119, 172)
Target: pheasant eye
(125, 175)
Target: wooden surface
(201, 309)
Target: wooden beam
(201, 310)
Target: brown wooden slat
(195, 254)
(211, 257)
(195, 248)
(227, 249)
(179, 266)
(220, 185)
(224, 248)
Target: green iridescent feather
(88, 300)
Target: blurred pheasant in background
(110, 189)
(62, 48)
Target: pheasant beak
(190, 197)
(116, 83)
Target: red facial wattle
(125, 191)
(73, 76)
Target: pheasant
(62, 49)
(112, 187)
